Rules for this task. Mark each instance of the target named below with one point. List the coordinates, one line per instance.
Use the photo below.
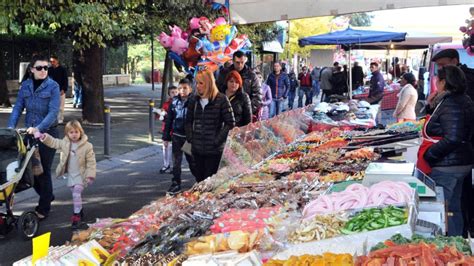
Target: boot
(174, 189)
(76, 221)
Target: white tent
(254, 11)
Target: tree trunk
(4, 98)
(165, 80)
(88, 71)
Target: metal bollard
(107, 131)
(151, 120)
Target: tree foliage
(300, 28)
(360, 19)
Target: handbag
(187, 146)
(426, 143)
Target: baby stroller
(16, 176)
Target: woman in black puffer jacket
(239, 100)
(451, 157)
(208, 121)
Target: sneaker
(75, 221)
(73, 105)
(164, 169)
(174, 189)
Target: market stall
(286, 192)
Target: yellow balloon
(218, 33)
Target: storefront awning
(273, 46)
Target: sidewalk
(126, 181)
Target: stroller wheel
(28, 224)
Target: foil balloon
(165, 40)
(218, 33)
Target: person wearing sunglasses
(39, 95)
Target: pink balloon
(194, 23)
(220, 21)
(179, 46)
(165, 40)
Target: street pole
(107, 131)
(151, 120)
(152, 65)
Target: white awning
(273, 46)
(254, 11)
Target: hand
(62, 92)
(166, 143)
(39, 135)
(32, 130)
(89, 180)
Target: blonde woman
(408, 96)
(208, 121)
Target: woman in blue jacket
(39, 95)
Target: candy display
(357, 196)
(324, 259)
(247, 220)
(373, 219)
(318, 228)
(416, 254)
(280, 191)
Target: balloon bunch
(206, 44)
(468, 31)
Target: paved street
(126, 182)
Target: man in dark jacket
(279, 86)
(59, 74)
(357, 76)
(338, 82)
(251, 84)
(377, 84)
(451, 57)
(306, 86)
(175, 132)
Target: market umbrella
(350, 37)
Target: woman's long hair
(207, 77)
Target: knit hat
(234, 74)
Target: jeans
(43, 184)
(291, 99)
(77, 95)
(304, 91)
(206, 165)
(316, 90)
(178, 143)
(451, 181)
(466, 203)
(275, 107)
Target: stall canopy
(351, 37)
(255, 11)
(413, 40)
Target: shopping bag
(187, 148)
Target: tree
(360, 19)
(300, 28)
(90, 26)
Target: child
(167, 148)
(77, 163)
(292, 92)
(174, 131)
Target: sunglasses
(38, 68)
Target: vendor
(407, 98)
(451, 157)
(377, 84)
